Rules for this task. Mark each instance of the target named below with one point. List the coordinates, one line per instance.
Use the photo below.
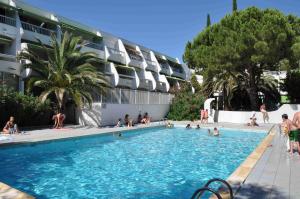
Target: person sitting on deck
(128, 121)
(146, 119)
(253, 121)
(139, 119)
(11, 127)
(119, 123)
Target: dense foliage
(65, 73)
(233, 54)
(27, 110)
(291, 85)
(186, 105)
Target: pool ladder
(198, 193)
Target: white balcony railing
(37, 29)
(7, 20)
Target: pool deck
(275, 175)
(272, 173)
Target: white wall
(244, 117)
(108, 114)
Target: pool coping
(236, 179)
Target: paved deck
(276, 174)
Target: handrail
(7, 20)
(35, 28)
(223, 181)
(200, 191)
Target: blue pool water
(149, 163)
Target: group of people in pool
(128, 122)
(291, 129)
(215, 131)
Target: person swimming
(198, 126)
(188, 126)
(216, 132)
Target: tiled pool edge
(8, 192)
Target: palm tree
(224, 82)
(65, 73)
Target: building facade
(137, 74)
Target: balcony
(7, 20)
(161, 86)
(177, 72)
(145, 84)
(125, 81)
(36, 29)
(8, 27)
(94, 47)
(116, 55)
(34, 32)
(8, 64)
(136, 60)
(151, 65)
(165, 68)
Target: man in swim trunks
(289, 129)
(296, 131)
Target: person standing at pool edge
(264, 113)
(288, 129)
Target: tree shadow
(259, 192)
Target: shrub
(27, 110)
(186, 105)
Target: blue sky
(163, 25)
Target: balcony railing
(136, 57)
(150, 62)
(94, 45)
(37, 29)
(116, 51)
(7, 20)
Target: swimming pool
(148, 163)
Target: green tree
(247, 42)
(65, 73)
(234, 5)
(291, 85)
(186, 105)
(208, 22)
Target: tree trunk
(252, 90)
(226, 100)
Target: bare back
(296, 120)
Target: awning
(70, 24)
(36, 12)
